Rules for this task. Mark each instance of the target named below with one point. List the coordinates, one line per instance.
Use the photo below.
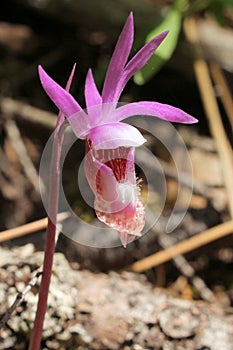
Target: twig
(21, 295)
(184, 178)
(225, 93)
(183, 247)
(193, 140)
(187, 270)
(20, 298)
(29, 228)
(12, 107)
(211, 108)
(15, 138)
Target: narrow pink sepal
(62, 99)
(118, 61)
(138, 61)
(143, 55)
(93, 99)
(92, 94)
(155, 109)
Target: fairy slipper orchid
(110, 144)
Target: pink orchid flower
(110, 144)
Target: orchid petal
(114, 135)
(62, 98)
(93, 99)
(138, 61)
(118, 61)
(143, 55)
(155, 109)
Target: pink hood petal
(118, 61)
(155, 109)
(114, 135)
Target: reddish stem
(50, 240)
(50, 243)
(44, 287)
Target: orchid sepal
(154, 109)
(61, 98)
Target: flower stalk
(50, 243)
